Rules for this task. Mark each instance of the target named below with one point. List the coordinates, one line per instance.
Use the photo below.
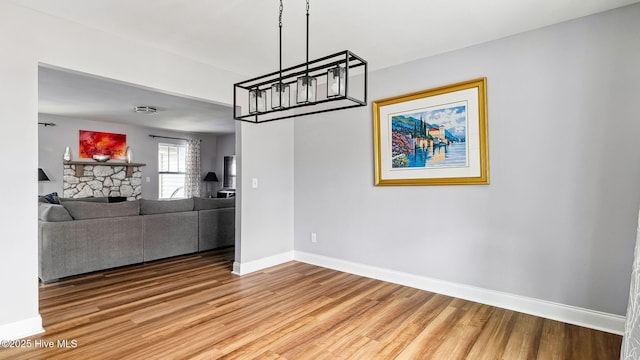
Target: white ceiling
(85, 97)
(242, 35)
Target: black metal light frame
(317, 68)
(355, 92)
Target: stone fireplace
(83, 179)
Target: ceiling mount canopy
(333, 82)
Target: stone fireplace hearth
(93, 180)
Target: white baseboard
(569, 314)
(260, 264)
(20, 329)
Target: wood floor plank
(394, 342)
(524, 341)
(192, 307)
(494, 337)
(425, 343)
(553, 333)
(458, 341)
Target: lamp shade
(211, 176)
(43, 177)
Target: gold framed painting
(433, 137)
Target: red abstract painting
(102, 143)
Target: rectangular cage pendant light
(334, 82)
(307, 87)
(280, 96)
(257, 101)
(344, 75)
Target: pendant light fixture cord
(280, 25)
(307, 37)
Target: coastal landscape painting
(432, 137)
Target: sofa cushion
(170, 234)
(213, 203)
(102, 199)
(148, 207)
(53, 213)
(82, 210)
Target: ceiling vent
(148, 110)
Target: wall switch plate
(254, 183)
(148, 179)
(314, 237)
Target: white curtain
(192, 168)
(631, 341)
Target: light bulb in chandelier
(257, 101)
(336, 82)
(307, 86)
(280, 96)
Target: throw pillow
(50, 198)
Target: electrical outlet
(314, 237)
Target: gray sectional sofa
(77, 237)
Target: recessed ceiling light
(147, 110)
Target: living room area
(551, 235)
(71, 102)
(161, 171)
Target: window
(171, 170)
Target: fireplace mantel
(81, 164)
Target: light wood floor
(192, 307)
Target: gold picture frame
(433, 137)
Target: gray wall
(56, 42)
(557, 222)
(52, 141)
(226, 146)
(264, 215)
